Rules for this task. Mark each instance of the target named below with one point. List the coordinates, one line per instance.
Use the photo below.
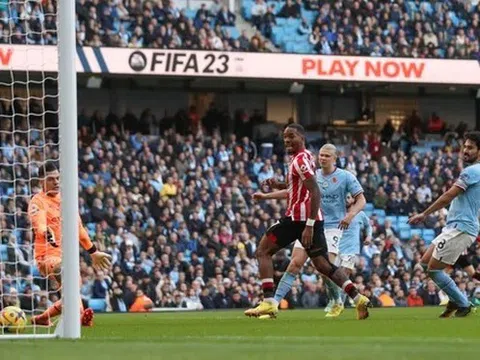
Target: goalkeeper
(45, 217)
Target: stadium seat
(97, 305)
(234, 33)
(369, 207)
(3, 253)
(416, 232)
(402, 220)
(428, 235)
(379, 212)
(405, 234)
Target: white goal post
(69, 324)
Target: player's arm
(274, 184)
(275, 195)
(368, 229)
(443, 201)
(355, 208)
(37, 215)
(100, 260)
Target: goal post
(28, 140)
(69, 326)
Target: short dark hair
(48, 166)
(473, 136)
(299, 128)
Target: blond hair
(332, 149)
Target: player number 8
(441, 244)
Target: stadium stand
(183, 229)
(420, 29)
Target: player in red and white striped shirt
(301, 168)
(303, 220)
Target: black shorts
(286, 231)
(463, 261)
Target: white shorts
(450, 244)
(346, 261)
(333, 237)
(297, 245)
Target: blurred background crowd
(421, 29)
(176, 210)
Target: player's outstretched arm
(443, 201)
(275, 184)
(276, 195)
(100, 259)
(355, 208)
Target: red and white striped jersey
(301, 167)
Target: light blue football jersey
(464, 209)
(334, 189)
(350, 242)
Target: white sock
(271, 300)
(356, 298)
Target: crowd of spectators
(420, 29)
(128, 23)
(176, 213)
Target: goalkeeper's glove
(100, 259)
(50, 237)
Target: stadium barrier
(120, 61)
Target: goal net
(29, 139)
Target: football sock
(446, 284)
(268, 288)
(56, 309)
(333, 290)
(284, 285)
(351, 290)
(52, 311)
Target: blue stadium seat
(381, 220)
(379, 212)
(417, 232)
(402, 220)
(190, 13)
(289, 46)
(281, 21)
(97, 305)
(234, 33)
(428, 235)
(3, 252)
(405, 234)
(369, 207)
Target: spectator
(413, 298)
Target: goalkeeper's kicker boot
(336, 311)
(449, 310)
(87, 318)
(266, 307)
(362, 307)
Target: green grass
(413, 334)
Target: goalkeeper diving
(45, 216)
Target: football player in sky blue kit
(461, 229)
(334, 184)
(350, 243)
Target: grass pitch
(403, 333)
